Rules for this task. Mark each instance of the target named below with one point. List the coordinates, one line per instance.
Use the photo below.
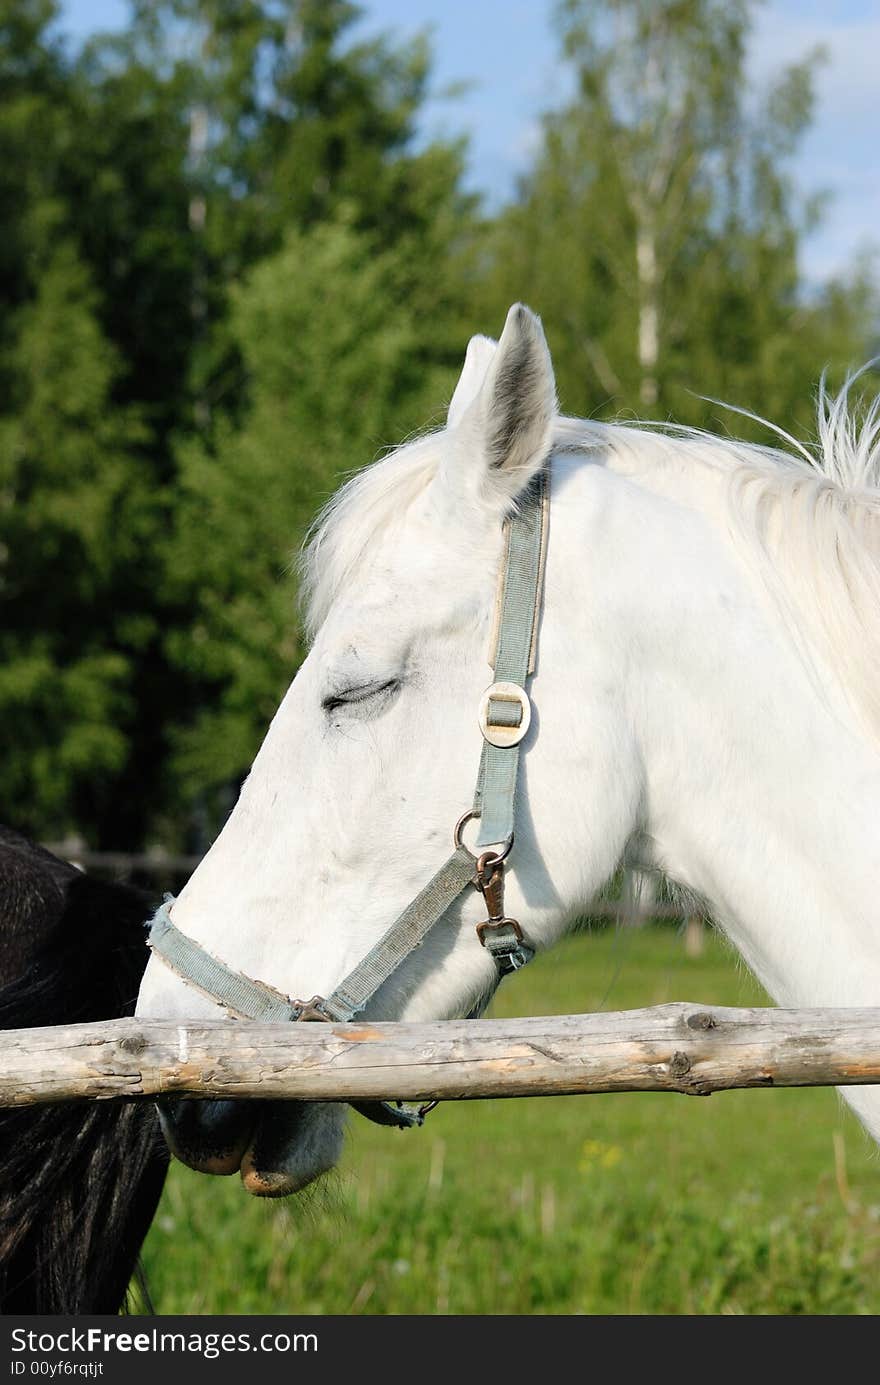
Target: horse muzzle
(278, 1147)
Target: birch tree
(659, 231)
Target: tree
(73, 510)
(336, 363)
(237, 120)
(74, 515)
(142, 182)
(291, 128)
(662, 191)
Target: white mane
(807, 522)
(369, 504)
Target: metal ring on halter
(456, 837)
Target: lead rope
(505, 715)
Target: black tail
(79, 1184)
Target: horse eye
(360, 695)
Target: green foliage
(261, 117)
(744, 1203)
(663, 189)
(72, 506)
(73, 513)
(336, 368)
(152, 191)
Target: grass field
(746, 1202)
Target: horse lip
(264, 1168)
(294, 1143)
(209, 1136)
(266, 1183)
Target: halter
(504, 717)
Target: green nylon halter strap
(505, 717)
(495, 797)
(408, 932)
(239, 994)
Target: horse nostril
(210, 1136)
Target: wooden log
(684, 1047)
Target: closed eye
(362, 695)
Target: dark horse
(79, 1183)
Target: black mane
(79, 1184)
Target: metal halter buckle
(505, 714)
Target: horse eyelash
(361, 692)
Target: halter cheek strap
(505, 716)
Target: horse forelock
(354, 520)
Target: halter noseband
(504, 715)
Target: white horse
(707, 688)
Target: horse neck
(759, 795)
(769, 812)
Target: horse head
(370, 761)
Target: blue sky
(507, 51)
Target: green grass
(746, 1202)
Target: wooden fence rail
(689, 1048)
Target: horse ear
(509, 420)
(476, 362)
